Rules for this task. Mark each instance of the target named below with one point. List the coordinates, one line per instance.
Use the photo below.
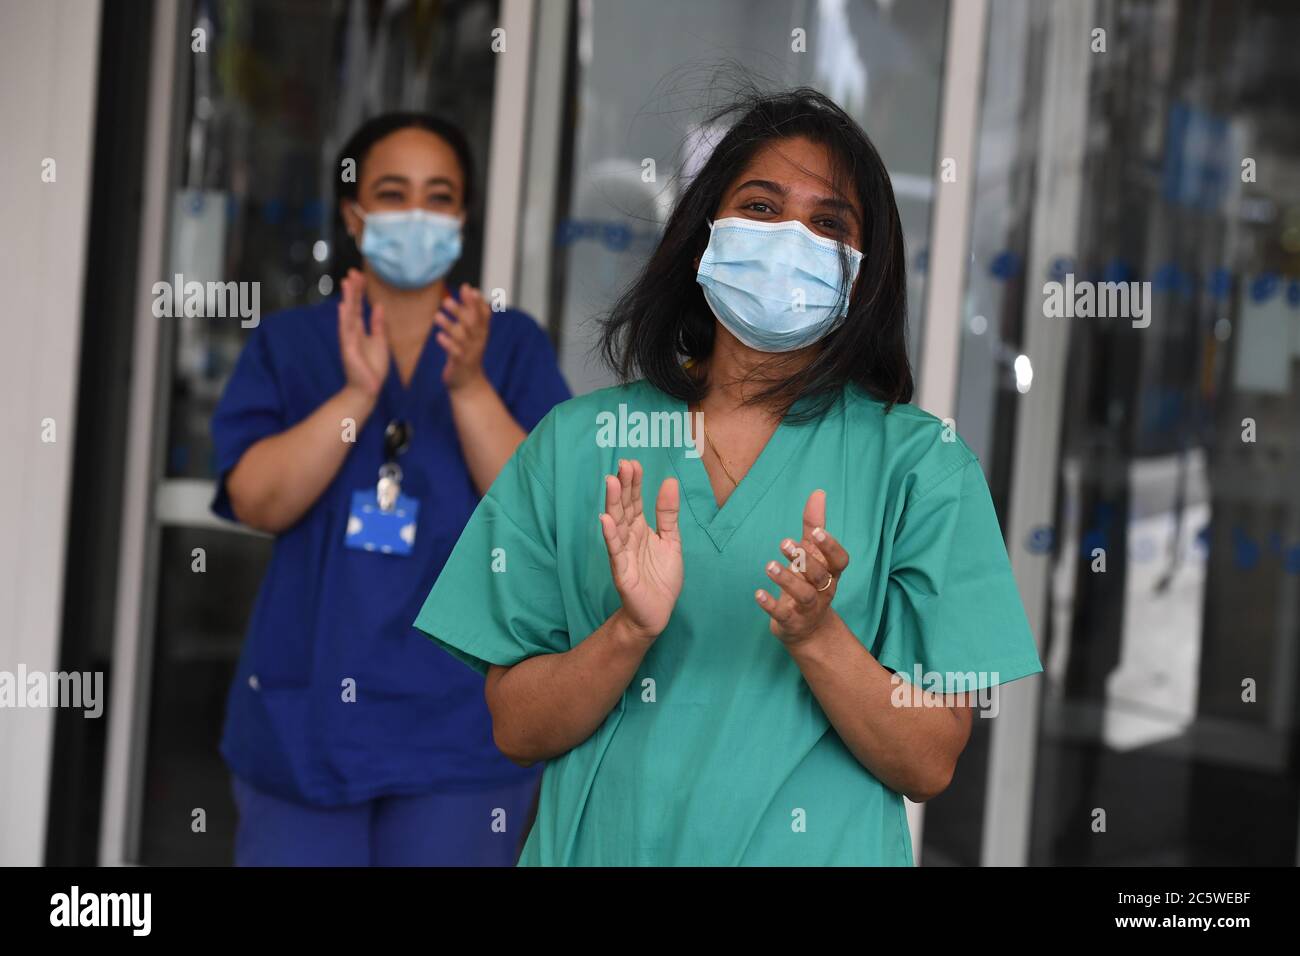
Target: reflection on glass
(1168, 713)
(200, 627)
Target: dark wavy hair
(358, 146)
(662, 317)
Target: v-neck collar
(697, 492)
(400, 396)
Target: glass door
(1143, 445)
(1170, 716)
(266, 92)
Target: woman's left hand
(465, 338)
(808, 585)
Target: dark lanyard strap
(397, 439)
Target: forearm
(911, 749)
(282, 476)
(546, 705)
(488, 432)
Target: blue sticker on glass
(386, 532)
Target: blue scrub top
(327, 613)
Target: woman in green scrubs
(798, 636)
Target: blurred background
(1124, 140)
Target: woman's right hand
(365, 357)
(646, 565)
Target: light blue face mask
(774, 285)
(411, 248)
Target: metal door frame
(1009, 785)
(938, 363)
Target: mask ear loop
(356, 208)
(698, 258)
(850, 262)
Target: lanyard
(397, 439)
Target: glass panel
(1169, 694)
(882, 62)
(200, 627)
(1147, 716)
(283, 84)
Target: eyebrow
(830, 202)
(404, 181)
(840, 205)
(764, 184)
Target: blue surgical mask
(411, 248)
(774, 285)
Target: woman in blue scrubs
(361, 433)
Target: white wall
(48, 61)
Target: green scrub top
(718, 753)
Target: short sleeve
(533, 384)
(952, 610)
(251, 408)
(498, 598)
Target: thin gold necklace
(714, 448)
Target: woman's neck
(737, 373)
(407, 312)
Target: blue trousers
(478, 828)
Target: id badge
(370, 528)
